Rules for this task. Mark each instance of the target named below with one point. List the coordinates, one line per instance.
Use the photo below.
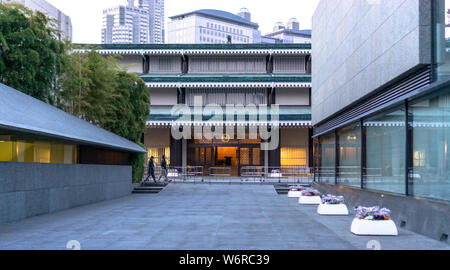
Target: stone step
(146, 191)
(153, 184)
(149, 188)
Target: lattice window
(226, 96)
(293, 156)
(245, 156)
(165, 64)
(289, 64)
(227, 64)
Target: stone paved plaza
(196, 217)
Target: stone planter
(310, 200)
(332, 210)
(294, 194)
(374, 227)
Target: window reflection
(349, 156)
(442, 38)
(431, 135)
(385, 152)
(327, 158)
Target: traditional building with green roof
(225, 74)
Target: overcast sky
(86, 15)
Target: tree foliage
(128, 108)
(95, 89)
(31, 55)
(88, 85)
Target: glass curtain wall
(349, 156)
(385, 152)
(327, 151)
(442, 38)
(431, 136)
(386, 138)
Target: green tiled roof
(193, 46)
(187, 78)
(286, 114)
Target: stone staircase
(149, 188)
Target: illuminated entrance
(231, 155)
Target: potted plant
(332, 206)
(310, 196)
(295, 191)
(373, 221)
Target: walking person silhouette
(151, 170)
(163, 169)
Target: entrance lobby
(224, 158)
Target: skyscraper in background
(156, 13)
(125, 25)
(139, 22)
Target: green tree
(31, 55)
(128, 106)
(94, 88)
(88, 85)
(72, 82)
(127, 114)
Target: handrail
(258, 174)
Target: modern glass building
(381, 101)
(223, 74)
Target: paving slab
(198, 217)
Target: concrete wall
(30, 189)
(427, 217)
(360, 45)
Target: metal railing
(290, 174)
(189, 173)
(248, 174)
(220, 171)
